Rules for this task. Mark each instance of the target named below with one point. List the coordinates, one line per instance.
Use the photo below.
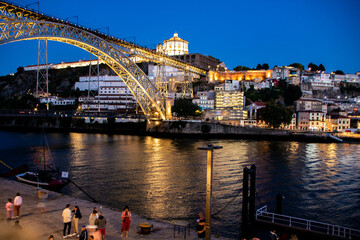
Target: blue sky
(236, 32)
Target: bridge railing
(310, 225)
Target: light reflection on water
(166, 178)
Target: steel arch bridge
(149, 98)
(20, 24)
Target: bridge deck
(263, 215)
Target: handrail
(311, 225)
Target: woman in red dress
(126, 219)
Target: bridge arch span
(149, 98)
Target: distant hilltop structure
(174, 46)
(62, 65)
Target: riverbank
(165, 129)
(37, 226)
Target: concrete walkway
(37, 226)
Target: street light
(209, 149)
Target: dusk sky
(236, 32)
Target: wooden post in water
(252, 199)
(252, 194)
(279, 203)
(245, 209)
(248, 206)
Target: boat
(48, 178)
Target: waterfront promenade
(37, 226)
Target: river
(166, 178)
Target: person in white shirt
(17, 204)
(66, 214)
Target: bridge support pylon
(42, 75)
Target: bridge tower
(92, 85)
(187, 90)
(42, 76)
(161, 81)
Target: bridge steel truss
(149, 98)
(9, 11)
(27, 24)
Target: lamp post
(210, 148)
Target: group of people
(97, 223)
(284, 236)
(9, 206)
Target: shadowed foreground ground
(37, 226)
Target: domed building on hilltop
(174, 46)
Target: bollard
(279, 203)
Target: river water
(166, 178)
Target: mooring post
(245, 209)
(279, 203)
(252, 198)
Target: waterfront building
(228, 105)
(337, 123)
(226, 116)
(56, 101)
(316, 121)
(113, 94)
(229, 99)
(254, 107)
(303, 121)
(248, 123)
(205, 100)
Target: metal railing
(310, 225)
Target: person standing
(66, 214)
(100, 222)
(17, 204)
(9, 209)
(93, 217)
(77, 216)
(200, 228)
(83, 234)
(273, 235)
(126, 220)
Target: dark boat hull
(32, 179)
(21, 169)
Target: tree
(265, 66)
(185, 108)
(258, 67)
(298, 66)
(321, 68)
(313, 67)
(291, 94)
(275, 114)
(241, 68)
(339, 72)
